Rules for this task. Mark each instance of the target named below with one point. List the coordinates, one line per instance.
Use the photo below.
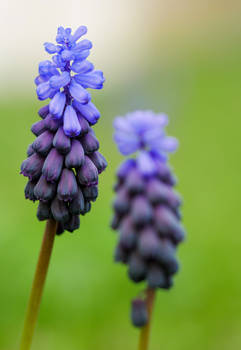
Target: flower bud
(89, 143)
(29, 190)
(122, 202)
(43, 111)
(59, 210)
(62, 142)
(99, 161)
(44, 190)
(30, 150)
(43, 143)
(53, 165)
(38, 128)
(75, 158)
(155, 276)
(43, 212)
(90, 193)
(51, 124)
(72, 224)
(137, 268)
(32, 166)
(87, 175)
(139, 314)
(67, 187)
(141, 211)
(128, 236)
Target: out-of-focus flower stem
(38, 284)
(145, 331)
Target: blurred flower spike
(146, 208)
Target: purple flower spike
(63, 163)
(146, 208)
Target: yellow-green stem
(38, 284)
(145, 331)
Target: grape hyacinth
(63, 162)
(146, 208)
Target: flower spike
(146, 208)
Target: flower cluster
(146, 208)
(63, 162)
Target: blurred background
(178, 57)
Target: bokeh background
(178, 57)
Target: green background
(87, 297)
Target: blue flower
(65, 79)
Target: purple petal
(88, 111)
(82, 30)
(71, 122)
(50, 48)
(79, 93)
(56, 105)
(82, 66)
(146, 164)
(92, 80)
(58, 81)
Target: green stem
(38, 284)
(145, 331)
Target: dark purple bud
(67, 187)
(164, 173)
(60, 211)
(29, 190)
(89, 142)
(172, 266)
(99, 161)
(60, 229)
(43, 143)
(125, 168)
(32, 166)
(122, 202)
(137, 268)
(75, 158)
(88, 173)
(73, 224)
(167, 223)
(121, 254)
(134, 182)
(90, 193)
(148, 243)
(53, 165)
(141, 211)
(77, 205)
(44, 190)
(86, 208)
(166, 251)
(62, 142)
(51, 123)
(30, 150)
(155, 276)
(44, 111)
(115, 223)
(43, 212)
(128, 236)
(38, 127)
(83, 124)
(158, 192)
(139, 314)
